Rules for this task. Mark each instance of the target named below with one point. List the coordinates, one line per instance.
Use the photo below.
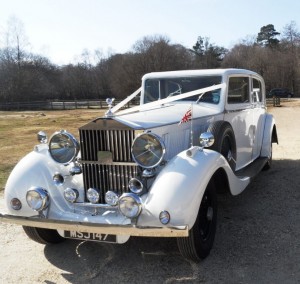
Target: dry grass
(18, 132)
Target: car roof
(221, 72)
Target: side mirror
(206, 139)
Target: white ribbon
(162, 101)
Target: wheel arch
(274, 135)
(269, 136)
(220, 179)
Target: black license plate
(90, 236)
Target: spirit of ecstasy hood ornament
(109, 102)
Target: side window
(257, 92)
(238, 90)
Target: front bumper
(121, 230)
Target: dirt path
(257, 241)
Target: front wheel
(198, 244)
(43, 236)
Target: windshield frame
(155, 89)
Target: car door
(239, 113)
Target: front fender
(37, 169)
(180, 186)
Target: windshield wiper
(177, 92)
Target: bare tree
(12, 56)
(291, 35)
(24, 76)
(27, 76)
(16, 41)
(290, 45)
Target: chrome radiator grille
(118, 142)
(107, 176)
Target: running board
(253, 169)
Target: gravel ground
(257, 241)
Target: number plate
(90, 236)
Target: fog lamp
(93, 195)
(111, 198)
(15, 204)
(130, 205)
(164, 217)
(71, 194)
(135, 186)
(37, 198)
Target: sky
(62, 29)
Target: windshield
(156, 89)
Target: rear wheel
(198, 244)
(43, 236)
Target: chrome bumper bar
(125, 230)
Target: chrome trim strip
(95, 205)
(124, 230)
(237, 110)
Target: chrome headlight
(130, 205)
(148, 150)
(37, 198)
(63, 147)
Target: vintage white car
(151, 170)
